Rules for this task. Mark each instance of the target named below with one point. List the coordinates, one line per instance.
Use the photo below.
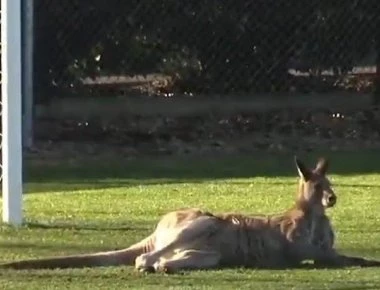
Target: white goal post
(11, 89)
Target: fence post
(11, 83)
(27, 71)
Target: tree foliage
(207, 45)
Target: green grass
(96, 205)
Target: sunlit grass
(90, 207)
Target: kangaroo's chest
(318, 232)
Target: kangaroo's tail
(101, 259)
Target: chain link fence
(205, 47)
(168, 48)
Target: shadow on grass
(127, 276)
(165, 170)
(77, 185)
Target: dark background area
(172, 77)
(204, 47)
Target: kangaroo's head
(314, 186)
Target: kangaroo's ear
(322, 166)
(303, 171)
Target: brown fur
(195, 239)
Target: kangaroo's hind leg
(189, 259)
(173, 241)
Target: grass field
(105, 204)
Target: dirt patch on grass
(72, 129)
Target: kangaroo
(192, 238)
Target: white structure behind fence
(11, 89)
